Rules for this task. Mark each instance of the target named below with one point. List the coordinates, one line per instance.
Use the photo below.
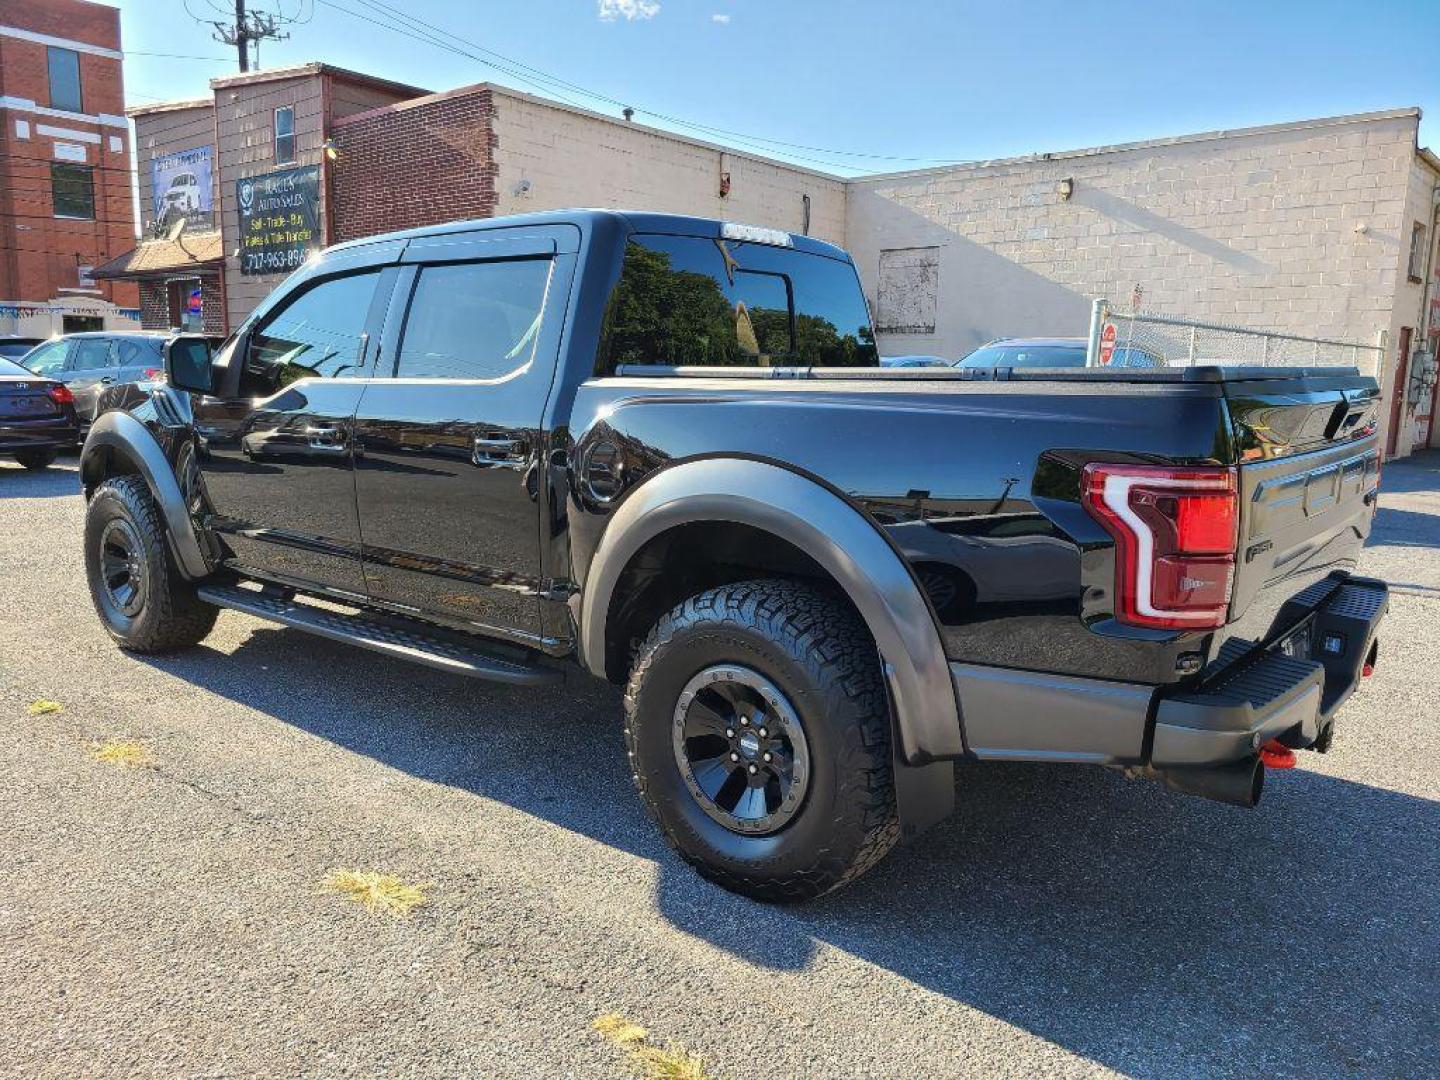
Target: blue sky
(822, 82)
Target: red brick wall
(39, 253)
(155, 313)
(154, 305)
(212, 299)
(422, 162)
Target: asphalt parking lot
(171, 919)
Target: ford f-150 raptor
(664, 447)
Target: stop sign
(1107, 344)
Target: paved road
(171, 920)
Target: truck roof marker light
(1175, 533)
(756, 234)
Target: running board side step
(385, 637)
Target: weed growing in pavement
(384, 893)
(669, 1062)
(125, 752)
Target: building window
(285, 135)
(73, 189)
(64, 79)
(1417, 251)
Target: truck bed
(989, 518)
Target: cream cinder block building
(1318, 228)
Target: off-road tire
(35, 460)
(171, 616)
(815, 649)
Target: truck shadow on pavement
(1152, 933)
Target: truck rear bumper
(1290, 692)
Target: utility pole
(256, 26)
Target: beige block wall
(1255, 228)
(572, 158)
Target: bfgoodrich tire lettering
(815, 650)
(144, 603)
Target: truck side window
(473, 320)
(690, 301)
(315, 335)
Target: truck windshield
(689, 301)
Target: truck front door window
(315, 336)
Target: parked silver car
(1052, 353)
(88, 363)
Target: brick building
(193, 157)
(65, 195)
(391, 157)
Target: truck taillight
(1175, 533)
(60, 394)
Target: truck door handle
(498, 453)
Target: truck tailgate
(1310, 465)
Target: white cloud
(723, 20)
(629, 10)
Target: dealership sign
(182, 186)
(279, 216)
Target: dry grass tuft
(125, 752)
(669, 1062)
(43, 707)
(383, 893)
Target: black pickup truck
(663, 447)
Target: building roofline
(1148, 144)
(551, 103)
(170, 106)
(315, 67)
(661, 132)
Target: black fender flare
(121, 434)
(834, 533)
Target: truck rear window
(688, 301)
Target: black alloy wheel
(740, 746)
(122, 567)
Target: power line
(245, 28)
(442, 38)
(178, 56)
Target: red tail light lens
(1175, 533)
(60, 394)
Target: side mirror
(187, 363)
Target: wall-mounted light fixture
(1066, 189)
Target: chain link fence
(1146, 340)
